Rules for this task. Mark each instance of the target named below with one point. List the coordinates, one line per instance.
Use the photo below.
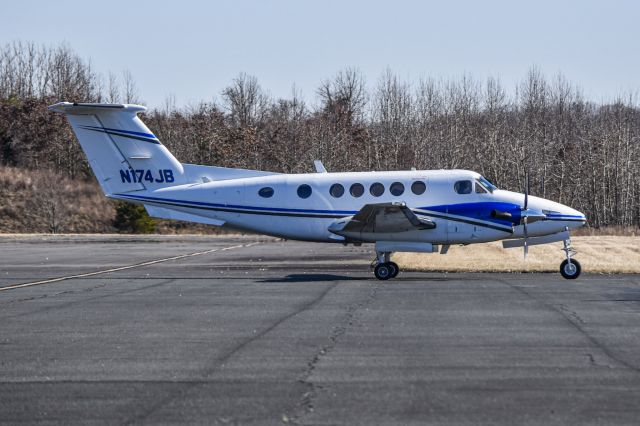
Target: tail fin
(123, 153)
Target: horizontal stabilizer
(546, 239)
(164, 213)
(81, 108)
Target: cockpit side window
(463, 186)
(480, 189)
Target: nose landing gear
(570, 268)
(383, 267)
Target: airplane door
(454, 230)
(232, 195)
(457, 230)
(452, 227)
(239, 196)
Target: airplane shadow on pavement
(301, 278)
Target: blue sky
(193, 49)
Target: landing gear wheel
(570, 271)
(394, 269)
(382, 271)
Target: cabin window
(396, 189)
(266, 192)
(376, 189)
(336, 190)
(463, 186)
(418, 187)
(304, 191)
(356, 190)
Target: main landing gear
(383, 267)
(569, 268)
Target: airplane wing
(380, 218)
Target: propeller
(522, 215)
(525, 216)
(526, 190)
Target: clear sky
(193, 49)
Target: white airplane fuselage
(459, 218)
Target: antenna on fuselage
(319, 166)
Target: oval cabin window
(304, 191)
(418, 187)
(356, 190)
(376, 189)
(336, 190)
(266, 192)
(396, 189)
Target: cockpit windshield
(485, 182)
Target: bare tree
(113, 89)
(129, 89)
(245, 100)
(392, 128)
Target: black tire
(570, 272)
(395, 269)
(382, 271)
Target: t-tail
(123, 153)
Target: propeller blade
(526, 190)
(526, 236)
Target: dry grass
(26, 197)
(600, 254)
(82, 207)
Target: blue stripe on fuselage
(562, 216)
(477, 211)
(235, 206)
(480, 211)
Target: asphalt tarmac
(261, 331)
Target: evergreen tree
(133, 219)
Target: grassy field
(600, 254)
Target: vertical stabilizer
(123, 153)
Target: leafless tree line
(576, 151)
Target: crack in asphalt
(573, 319)
(44, 296)
(306, 404)
(219, 361)
(85, 290)
(122, 268)
(570, 313)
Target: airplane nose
(582, 219)
(562, 216)
(572, 217)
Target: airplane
(398, 211)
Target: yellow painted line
(122, 268)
